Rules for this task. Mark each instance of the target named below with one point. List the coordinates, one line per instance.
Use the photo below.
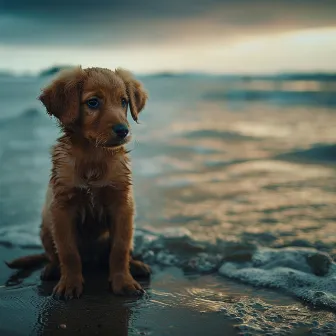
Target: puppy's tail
(27, 262)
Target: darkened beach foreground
(175, 304)
(235, 189)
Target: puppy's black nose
(121, 130)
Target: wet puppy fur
(89, 207)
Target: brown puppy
(89, 204)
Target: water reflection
(99, 312)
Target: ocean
(234, 183)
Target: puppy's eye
(123, 102)
(93, 103)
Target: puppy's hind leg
(52, 270)
(139, 269)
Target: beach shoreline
(174, 304)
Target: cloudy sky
(176, 35)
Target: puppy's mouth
(115, 143)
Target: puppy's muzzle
(121, 130)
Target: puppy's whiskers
(99, 140)
(134, 142)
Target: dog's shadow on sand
(96, 312)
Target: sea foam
(305, 273)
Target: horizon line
(44, 72)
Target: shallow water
(242, 189)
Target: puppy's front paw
(124, 284)
(69, 287)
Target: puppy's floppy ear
(136, 93)
(62, 97)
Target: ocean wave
(319, 153)
(24, 236)
(278, 97)
(22, 116)
(305, 273)
(214, 134)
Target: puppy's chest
(90, 182)
(92, 176)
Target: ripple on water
(253, 316)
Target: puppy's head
(94, 103)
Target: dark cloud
(130, 8)
(108, 22)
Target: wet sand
(174, 304)
(27, 307)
